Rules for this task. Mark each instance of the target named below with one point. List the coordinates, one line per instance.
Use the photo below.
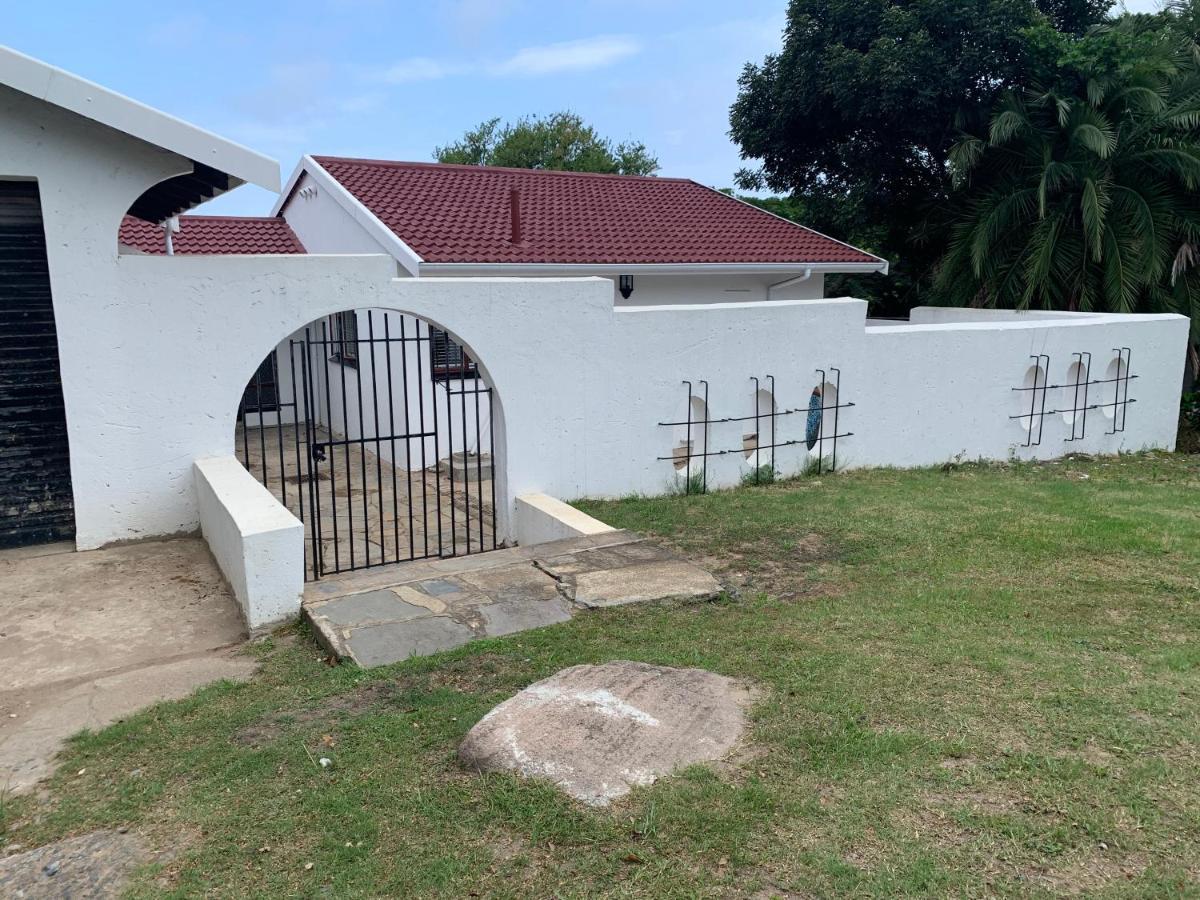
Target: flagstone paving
(415, 609)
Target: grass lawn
(978, 681)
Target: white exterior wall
(157, 350)
(323, 225)
(258, 544)
(670, 290)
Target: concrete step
(385, 615)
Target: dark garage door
(35, 474)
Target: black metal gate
(375, 429)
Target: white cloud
(568, 56)
(421, 68)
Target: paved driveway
(89, 638)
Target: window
(344, 338)
(447, 358)
(262, 393)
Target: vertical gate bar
(391, 401)
(346, 446)
(707, 425)
(688, 446)
(408, 447)
(310, 432)
(378, 445)
(421, 429)
(324, 351)
(479, 461)
(821, 427)
(437, 452)
(296, 428)
(279, 427)
(492, 453)
(462, 400)
(262, 437)
(837, 405)
(774, 414)
(362, 442)
(757, 430)
(450, 459)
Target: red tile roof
(461, 214)
(214, 235)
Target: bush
(1189, 424)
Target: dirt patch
(349, 704)
(1093, 872)
(483, 673)
(813, 548)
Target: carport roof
(480, 215)
(219, 164)
(214, 235)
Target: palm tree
(1084, 196)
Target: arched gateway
(376, 429)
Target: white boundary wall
(156, 352)
(258, 545)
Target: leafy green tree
(1083, 194)
(562, 141)
(856, 114)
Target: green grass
(978, 681)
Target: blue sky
(395, 79)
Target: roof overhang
(219, 164)
(567, 269)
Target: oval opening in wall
(760, 430)
(1112, 387)
(822, 416)
(1074, 392)
(689, 441)
(1029, 402)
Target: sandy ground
(89, 638)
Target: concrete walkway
(89, 638)
(414, 609)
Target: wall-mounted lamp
(626, 286)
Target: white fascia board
(403, 254)
(536, 269)
(85, 98)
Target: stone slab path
(414, 609)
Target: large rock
(596, 731)
(91, 865)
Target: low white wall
(539, 519)
(940, 392)
(940, 315)
(258, 544)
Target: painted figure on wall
(812, 430)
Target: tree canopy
(562, 141)
(858, 111)
(1084, 193)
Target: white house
(124, 410)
